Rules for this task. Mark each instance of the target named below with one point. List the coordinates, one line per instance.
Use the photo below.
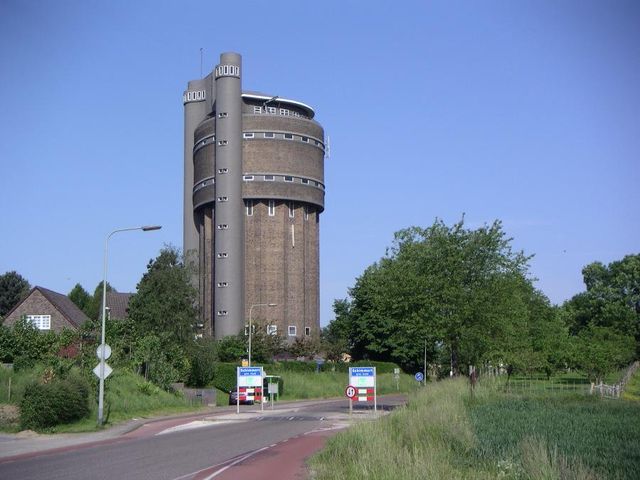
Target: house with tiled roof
(48, 311)
(117, 305)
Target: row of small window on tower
(262, 110)
(271, 208)
(280, 178)
(285, 136)
(292, 330)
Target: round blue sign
(419, 376)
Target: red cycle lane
(284, 461)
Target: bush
(293, 366)
(203, 363)
(381, 367)
(225, 377)
(48, 404)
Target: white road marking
(192, 425)
(241, 459)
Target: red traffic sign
(350, 391)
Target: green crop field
(446, 433)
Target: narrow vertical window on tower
(272, 208)
(292, 209)
(249, 204)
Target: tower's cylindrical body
(229, 208)
(195, 109)
(258, 191)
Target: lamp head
(148, 228)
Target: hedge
(48, 404)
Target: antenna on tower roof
(201, 62)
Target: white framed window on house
(246, 330)
(284, 111)
(269, 135)
(248, 135)
(249, 208)
(248, 178)
(272, 329)
(292, 210)
(292, 330)
(305, 181)
(257, 109)
(288, 178)
(269, 178)
(307, 331)
(288, 136)
(41, 322)
(272, 110)
(272, 208)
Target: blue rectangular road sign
(362, 372)
(249, 371)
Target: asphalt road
(174, 454)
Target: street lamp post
(250, 322)
(104, 313)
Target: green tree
(306, 347)
(80, 297)
(611, 299)
(13, 288)
(93, 308)
(601, 350)
(203, 357)
(451, 289)
(164, 303)
(232, 348)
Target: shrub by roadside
(57, 402)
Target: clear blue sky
(526, 111)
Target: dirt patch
(9, 415)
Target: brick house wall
(37, 304)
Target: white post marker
(364, 381)
(248, 378)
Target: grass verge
(444, 434)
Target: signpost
(250, 380)
(103, 370)
(363, 379)
(350, 392)
(396, 377)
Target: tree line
(158, 338)
(467, 298)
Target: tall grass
(12, 383)
(298, 385)
(632, 390)
(430, 438)
(443, 433)
(585, 431)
